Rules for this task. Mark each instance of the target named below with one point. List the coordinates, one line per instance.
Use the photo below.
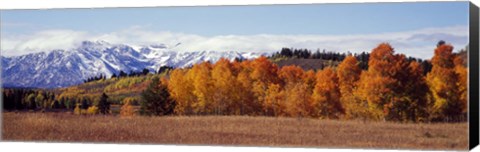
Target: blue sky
(207, 22)
(363, 18)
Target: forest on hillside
(380, 85)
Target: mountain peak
(93, 58)
(158, 46)
(96, 43)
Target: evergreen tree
(8, 103)
(145, 71)
(103, 104)
(156, 100)
(122, 74)
(84, 104)
(17, 97)
(164, 68)
(55, 105)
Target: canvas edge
(473, 55)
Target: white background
(74, 147)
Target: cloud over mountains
(417, 43)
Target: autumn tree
(297, 91)
(291, 74)
(326, 95)
(393, 87)
(462, 85)
(272, 101)
(227, 95)
(31, 101)
(77, 110)
(375, 85)
(127, 109)
(200, 77)
(297, 100)
(40, 100)
(249, 102)
(443, 83)
(309, 79)
(180, 88)
(348, 75)
(309, 82)
(93, 110)
(263, 75)
(410, 101)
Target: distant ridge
(61, 68)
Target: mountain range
(62, 68)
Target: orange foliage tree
(297, 91)
(180, 89)
(326, 95)
(410, 101)
(127, 109)
(200, 77)
(443, 82)
(273, 100)
(263, 74)
(227, 96)
(309, 79)
(348, 75)
(291, 74)
(376, 83)
(462, 73)
(393, 88)
(374, 87)
(250, 104)
(298, 99)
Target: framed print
(398, 75)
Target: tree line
(122, 73)
(43, 100)
(24, 98)
(362, 58)
(393, 88)
(307, 54)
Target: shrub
(127, 108)
(92, 110)
(77, 110)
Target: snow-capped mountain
(60, 68)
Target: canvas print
(362, 76)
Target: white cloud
(418, 43)
(40, 42)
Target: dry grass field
(232, 130)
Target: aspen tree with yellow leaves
(348, 75)
(443, 82)
(326, 95)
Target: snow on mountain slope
(60, 68)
